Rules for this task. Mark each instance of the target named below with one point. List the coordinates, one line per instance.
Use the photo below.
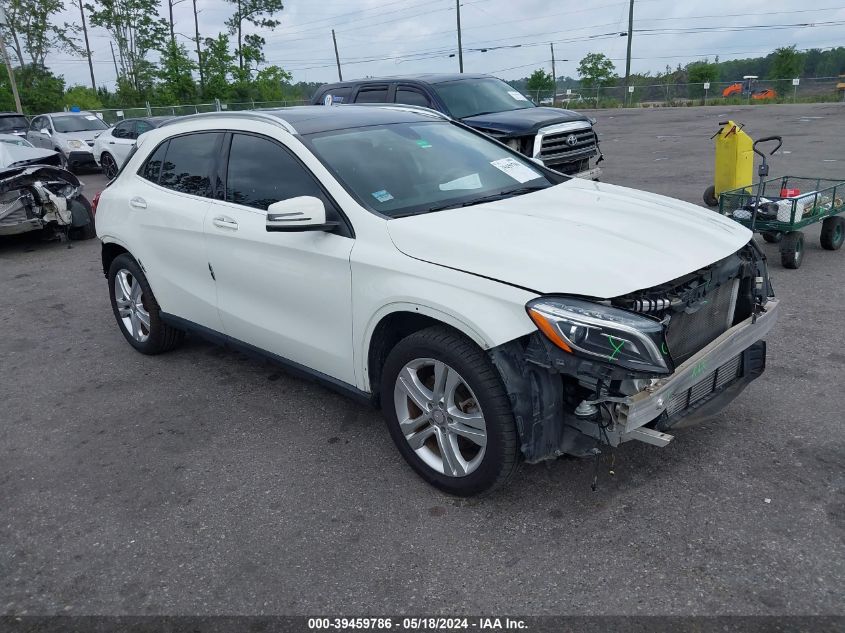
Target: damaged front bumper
(698, 389)
(38, 196)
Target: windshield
(12, 123)
(409, 168)
(469, 97)
(16, 141)
(78, 123)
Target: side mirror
(46, 131)
(304, 213)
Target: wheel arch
(393, 323)
(109, 252)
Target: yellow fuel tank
(734, 159)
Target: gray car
(71, 134)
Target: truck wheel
(81, 208)
(772, 238)
(448, 413)
(710, 198)
(136, 310)
(792, 250)
(833, 233)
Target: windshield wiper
(507, 193)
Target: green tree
(137, 30)
(176, 83)
(787, 63)
(83, 97)
(218, 67)
(256, 12)
(32, 31)
(539, 81)
(596, 69)
(40, 90)
(698, 73)
(271, 84)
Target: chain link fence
(115, 115)
(803, 90)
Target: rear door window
(152, 168)
(122, 130)
(372, 94)
(336, 95)
(189, 163)
(411, 96)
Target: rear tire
(87, 231)
(136, 310)
(772, 238)
(833, 233)
(442, 438)
(108, 165)
(792, 250)
(710, 198)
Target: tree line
(155, 63)
(787, 62)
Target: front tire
(833, 233)
(448, 413)
(82, 208)
(108, 165)
(792, 250)
(709, 196)
(136, 310)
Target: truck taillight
(95, 202)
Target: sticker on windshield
(382, 196)
(515, 170)
(90, 117)
(327, 100)
(423, 143)
(517, 95)
(467, 182)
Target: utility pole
(337, 57)
(460, 50)
(87, 47)
(199, 55)
(628, 57)
(11, 72)
(114, 59)
(554, 75)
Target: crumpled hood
(524, 121)
(11, 154)
(580, 237)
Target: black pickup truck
(563, 140)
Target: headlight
(610, 334)
(75, 144)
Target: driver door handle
(138, 203)
(223, 222)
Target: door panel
(287, 293)
(169, 225)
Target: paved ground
(204, 482)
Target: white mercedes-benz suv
(496, 310)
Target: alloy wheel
(440, 417)
(109, 166)
(129, 297)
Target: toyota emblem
(572, 140)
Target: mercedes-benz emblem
(572, 140)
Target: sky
(394, 37)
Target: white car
(112, 147)
(496, 310)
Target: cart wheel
(710, 198)
(792, 249)
(833, 233)
(772, 238)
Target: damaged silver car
(44, 198)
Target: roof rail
(238, 114)
(397, 106)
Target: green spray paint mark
(616, 348)
(664, 349)
(423, 143)
(699, 369)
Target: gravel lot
(205, 482)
